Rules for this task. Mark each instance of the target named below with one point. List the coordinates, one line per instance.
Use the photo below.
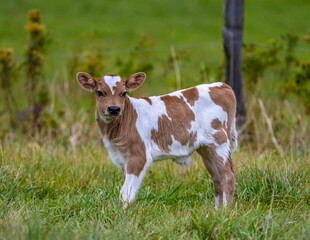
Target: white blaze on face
(112, 81)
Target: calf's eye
(99, 94)
(123, 94)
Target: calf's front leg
(134, 172)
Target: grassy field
(51, 192)
(60, 184)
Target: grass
(52, 192)
(60, 183)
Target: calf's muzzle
(114, 110)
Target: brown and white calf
(139, 131)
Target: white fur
(223, 151)
(131, 187)
(217, 202)
(180, 150)
(224, 199)
(114, 153)
(111, 81)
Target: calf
(139, 131)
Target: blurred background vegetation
(44, 44)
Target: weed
(7, 68)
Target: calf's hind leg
(222, 173)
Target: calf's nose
(114, 110)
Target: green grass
(52, 192)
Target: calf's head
(111, 92)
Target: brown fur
(147, 99)
(220, 136)
(191, 95)
(178, 127)
(225, 98)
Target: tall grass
(50, 191)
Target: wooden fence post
(232, 32)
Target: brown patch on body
(122, 132)
(191, 95)
(224, 97)
(147, 99)
(177, 124)
(222, 131)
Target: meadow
(57, 182)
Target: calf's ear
(86, 81)
(135, 81)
